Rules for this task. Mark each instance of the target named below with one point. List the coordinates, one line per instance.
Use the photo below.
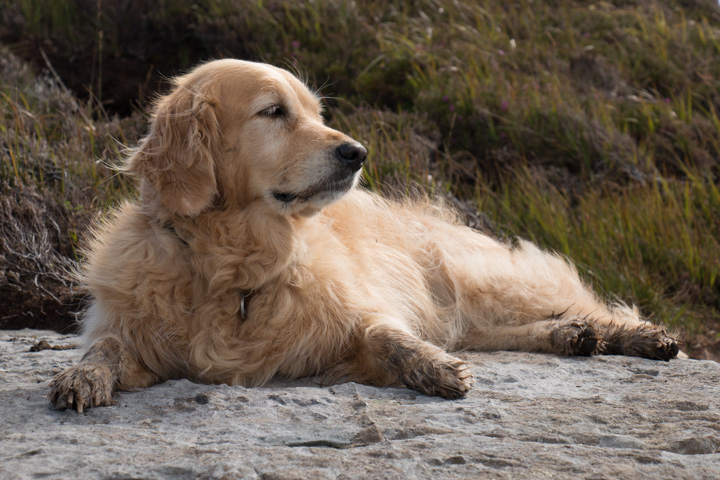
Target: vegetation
(51, 180)
(590, 128)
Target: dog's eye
(276, 111)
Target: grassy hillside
(590, 128)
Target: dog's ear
(177, 156)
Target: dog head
(236, 132)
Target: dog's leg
(91, 383)
(561, 336)
(404, 358)
(523, 298)
(579, 336)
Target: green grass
(590, 128)
(657, 246)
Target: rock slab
(528, 416)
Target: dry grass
(52, 182)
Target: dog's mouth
(324, 192)
(285, 197)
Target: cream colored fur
(338, 281)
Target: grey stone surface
(529, 416)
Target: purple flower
(586, 35)
(501, 52)
(504, 105)
(445, 98)
(452, 108)
(295, 44)
(667, 100)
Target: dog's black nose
(351, 154)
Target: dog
(252, 254)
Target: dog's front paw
(447, 377)
(81, 386)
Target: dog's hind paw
(82, 386)
(645, 340)
(654, 343)
(576, 338)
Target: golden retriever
(251, 255)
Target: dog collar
(244, 303)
